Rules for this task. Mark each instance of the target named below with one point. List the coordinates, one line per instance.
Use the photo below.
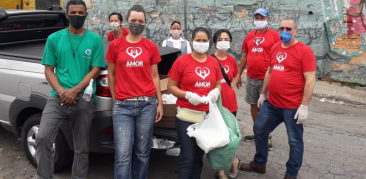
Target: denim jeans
(268, 119)
(133, 126)
(80, 117)
(191, 154)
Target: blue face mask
(285, 37)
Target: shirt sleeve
(189, 50)
(308, 61)
(49, 55)
(98, 57)
(111, 53)
(155, 58)
(164, 43)
(175, 72)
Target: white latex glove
(193, 98)
(261, 99)
(214, 95)
(301, 114)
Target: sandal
(221, 176)
(235, 172)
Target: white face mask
(115, 26)
(223, 45)
(201, 47)
(175, 33)
(260, 24)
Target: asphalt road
(335, 148)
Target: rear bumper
(101, 135)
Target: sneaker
(249, 137)
(270, 146)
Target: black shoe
(249, 137)
(270, 146)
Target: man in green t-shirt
(72, 57)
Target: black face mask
(76, 21)
(136, 28)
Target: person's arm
(309, 87)
(112, 79)
(52, 79)
(266, 81)
(243, 64)
(156, 79)
(174, 89)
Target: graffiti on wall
(346, 31)
(339, 51)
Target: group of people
(280, 70)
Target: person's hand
(236, 82)
(69, 97)
(301, 114)
(193, 98)
(159, 113)
(261, 99)
(213, 95)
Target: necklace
(255, 42)
(72, 49)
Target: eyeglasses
(283, 28)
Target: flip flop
(235, 172)
(221, 176)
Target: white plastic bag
(212, 133)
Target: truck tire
(63, 156)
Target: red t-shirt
(133, 62)
(125, 33)
(258, 46)
(228, 94)
(196, 77)
(287, 82)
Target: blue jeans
(268, 119)
(133, 126)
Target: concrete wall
(318, 19)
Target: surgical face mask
(260, 24)
(201, 47)
(175, 33)
(285, 37)
(115, 26)
(223, 45)
(136, 28)
(76, 21)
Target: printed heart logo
(134, 51)
(202, 72)
(227, 68)
(281, 56)
(258, 40)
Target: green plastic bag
(221, 158)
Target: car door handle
(43, 83)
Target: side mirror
(3, 14)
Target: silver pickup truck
(24, 89)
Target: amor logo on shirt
(281, 56)
(134, 52)
(258, 41)
(203, 72)
(227, 69)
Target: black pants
(191, 154)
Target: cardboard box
(169, 110)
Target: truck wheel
(61, 152)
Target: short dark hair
(175, 22)
(75, 2)
(200, 29)
(218, 33)
(137, 8)
(119, 15)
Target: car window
(31, 22)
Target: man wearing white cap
(256, 47)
